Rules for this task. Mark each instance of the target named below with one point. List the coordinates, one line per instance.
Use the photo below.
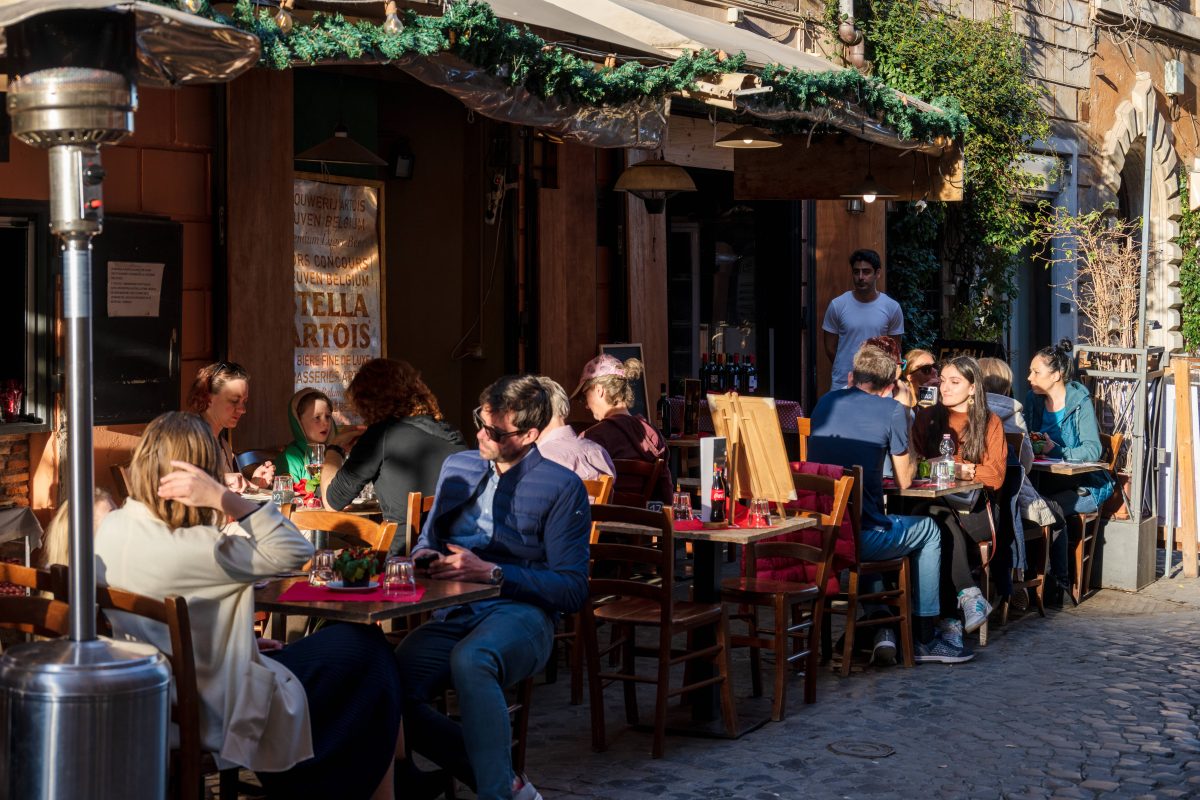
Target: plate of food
(338, 586)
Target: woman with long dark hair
(980, 454)
(1062, 423)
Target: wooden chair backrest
(120, 478)
(636, 551)
(40, 616)
(821, 556)
(636, 481)
(599, 489)
(171, 611)
(803, 431)
(418, 506)
(358, 531)
(52, 581)
(249, 460)
(854, 505)
(1110, 449)
(1014, 441)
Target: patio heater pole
(82, 717)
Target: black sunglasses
(926, 368)
(494, 433)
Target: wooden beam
(647, 261)
(832, 164)
(690, 144)
(1185, 466)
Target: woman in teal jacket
(1060, 409)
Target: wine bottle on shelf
(718, 493)
(704, 370)
(716, 381)
(664, 412)
(735, 371)
(751, 376)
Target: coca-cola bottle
(717, 495)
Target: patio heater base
(1125, 555)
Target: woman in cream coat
(318, 718)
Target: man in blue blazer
(507, 516)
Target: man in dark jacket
(507, 516)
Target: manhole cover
(861, 749)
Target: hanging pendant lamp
(870, 190)
(341, 149)
(748, 137)
(654, 180)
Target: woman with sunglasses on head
(920, 370)
(401, 450)
(980, 454)
(219, 394)
(1063, 425)
(607, 387)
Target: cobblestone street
(1095, 701)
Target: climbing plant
(919, 49)
(914, 244)
(1189, 269)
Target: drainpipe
(850, 35)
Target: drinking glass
(322, 568)
(281, 490)
(760, 513)
(316, 459)
(681, 506)
(399, 579)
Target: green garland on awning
(471, 31)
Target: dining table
(926, 489)
(1059, 467)
(368, 608)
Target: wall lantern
(403, 160)
(654, 180)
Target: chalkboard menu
(137, 313)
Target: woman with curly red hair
(403, 447)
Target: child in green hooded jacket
(310, 415)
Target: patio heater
(83, 716)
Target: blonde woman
(920, 370)
(296, 715)
(607, 388)
(56, 541)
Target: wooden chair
(803, 431)
(798, 607)
(631, 604)
(1084, 548)
(418, 506)
(355, 530)
(599, 490)
(189, 762)
(40, 616)
(897, 598)
(636, 481)
(52, 581)
(250, 460)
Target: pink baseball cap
(600, 365)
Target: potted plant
(356, 566)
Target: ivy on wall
(1189, 269)
(981, 63)
(914, 264)
(471, 31)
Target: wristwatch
(336, 448)
(497, 576)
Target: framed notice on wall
(338, 282)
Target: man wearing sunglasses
(503, 515)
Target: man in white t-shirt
(858, 315)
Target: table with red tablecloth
(788, 410)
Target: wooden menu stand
(758, 456)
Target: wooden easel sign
(756, 448)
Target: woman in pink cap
(607, 389)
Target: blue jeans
(1065, 503)
(479, 650)
(915, 536)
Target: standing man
(855, 316)
(863, 425)
(507, 516)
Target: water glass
(316, 460)
(399, 578)
(322, 568)
(281, 490)
(760, 513)
(681, 506)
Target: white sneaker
(527, 791)
(975, 608)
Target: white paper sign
(134, 289)
(336, 269)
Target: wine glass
(316, 460)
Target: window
(26, 317)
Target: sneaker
(939, 651)
(975, 608)
(883, 654)
(951, 631)
(527, 791)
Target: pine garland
(471, 31)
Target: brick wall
(14, 470)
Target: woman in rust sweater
(980, 453)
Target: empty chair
(355, 530)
